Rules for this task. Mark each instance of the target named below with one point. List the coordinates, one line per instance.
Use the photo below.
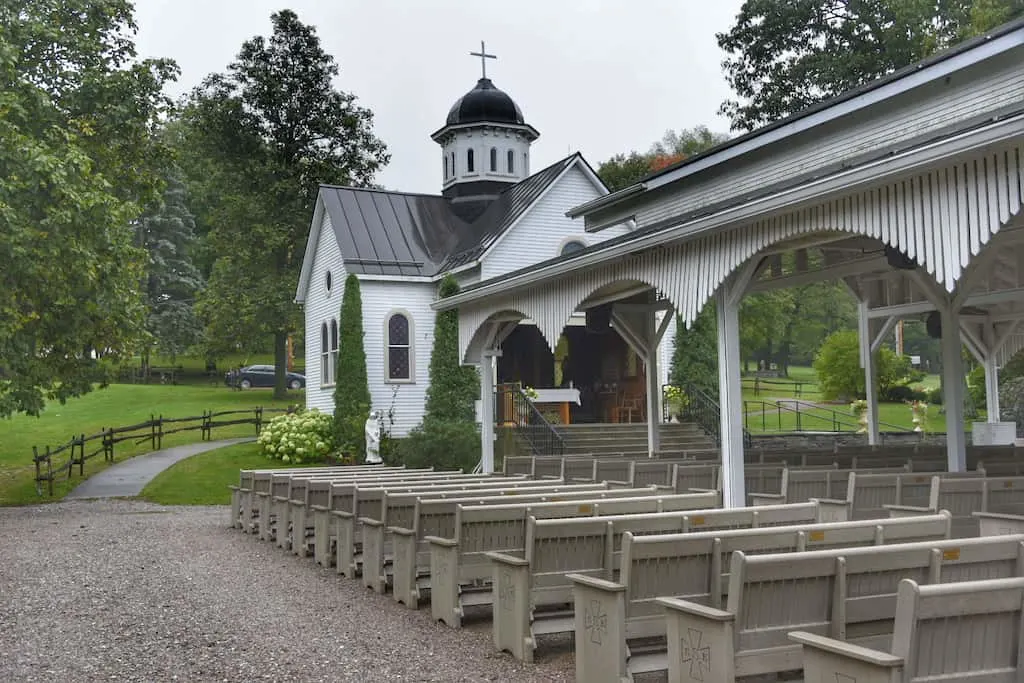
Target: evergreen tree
(352, 388)
(454, 388)
(695, 355)
(167, 232)
(448, 435)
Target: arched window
(526, 163)
(571, 247)
(494, 160)
(453, 164)
(400, 348)
(446, 167)
(511, 162)
(469, 161)
(334, 350)
(325, 362)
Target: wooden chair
(629, 405)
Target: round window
(572, 247)
(328, 282)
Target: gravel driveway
(129, 591)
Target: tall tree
(167, 232)
(269, 131)
(79, 159)
(454, 387)
(351, 386)
(786, 56)
(695, 353)
(623, 170)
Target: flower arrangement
(530, 392)
(860, 409)
(297, 438)
(676, 400)
(919, 415)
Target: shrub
(1011, 403)
(352, 390)
(443, 445)
(837, 365)
(297, 437)
(935, 396)
(976, 389)
(902, 393)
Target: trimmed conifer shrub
(352, 388)
(448, 436)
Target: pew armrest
(443, 542)
(594, 582)
(262, 494)
(832, 509)
(401, 531)
(236, 488)
(828, 657)
(503, 558)
(369, 521)
(696, 609)
(767, 498)
(908, 510)
(318, 508)
(343, 514)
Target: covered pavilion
(909, 189)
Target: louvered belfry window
(399, 348)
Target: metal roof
(381, 232)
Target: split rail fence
(52, 463)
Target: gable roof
(382, 232)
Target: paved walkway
(128, 478)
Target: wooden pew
(437, 517)
(399, 509)
(694, 566)
(243, 500)
(282, 497)
(800, 485)
(965, 496)
(999, 523)
(868, 495)
(592, 546)
(459, 565)
(273, 493)
(849, 594)
(350, 501)
(968, 631)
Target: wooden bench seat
(592, 547)
(969, 632)
(848, 594)
(460, 570)
(695, 567)
(399, 509)
(801, 485)
(284, 508)
(965, 496)
(868, 494)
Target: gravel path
(129, 591)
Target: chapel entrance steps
(612, 439)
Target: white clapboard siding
(380, 299)
(321, 307)
(969, 94)
(544, 228)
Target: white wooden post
(487, 411)
(867, 361)
(653, 385)
(953, 389)
(992, 388)
(730, 398)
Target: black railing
(800, 416)
(702, 409)
(513, 408)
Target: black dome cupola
(485, 142)
(485, 103)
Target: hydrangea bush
(297, 437)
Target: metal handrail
(703, 410)
(528, 422)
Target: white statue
(373, 438)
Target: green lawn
(764, 417)
(204, 479)
(117, 405)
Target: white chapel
(494, 215)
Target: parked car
(261, 376)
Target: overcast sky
(595, 76)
